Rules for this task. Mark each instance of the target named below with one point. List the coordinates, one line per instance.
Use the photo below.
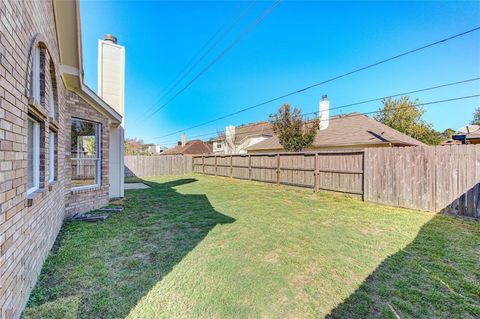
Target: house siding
(29, 225)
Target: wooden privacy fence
(160, 165)
(434, 178)
(333, 171)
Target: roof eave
(67, 20)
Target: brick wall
(30, 224)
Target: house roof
(349, 130)
(253, 129)
(191, 147)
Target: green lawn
(206, 247)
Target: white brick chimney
(230, 139)
(184, 139)
(111, 88)
(324, 113)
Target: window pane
(30, 154)
(51, 101)
(84, 172)
(51, 147)
(33, 155)
(85, 146)
(84, 142)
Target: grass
(206, 247)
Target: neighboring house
(156, 149)
(189, 148)
(469, 134)
(237, 140)
(58, 155)
(353, 131)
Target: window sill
(35, 196)
(52, 185)
(53, 124)
(36, 109)
(84, 189)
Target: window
(219, 145)
(33, 165)
(85, 148)
(35, 85)
(52, 142)
(52, 102)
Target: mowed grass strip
(210, 247)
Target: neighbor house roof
(349, 130)
(191, 147)
(262, 128)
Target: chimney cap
(111, 38)
(324, 97)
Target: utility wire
(198, 57)
(259, 19)
(322, 82)
(377, 99)
(337, 117)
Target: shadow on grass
(103, 269)
(435, 276)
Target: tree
(134, 146)
(405, 116)
(476, 117)
(294, 134)
(448, 133)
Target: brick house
(55, 139)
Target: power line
(259, 19)
(198, 57)
(323, 82)
(336, 117)
(381, 98)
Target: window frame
(98, 159)
(52, 158)
(36, 157)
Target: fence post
(215, 165)
(249, 167)
(363, 176)
(231, 166)
(278, 168)
(203, 164)
(315, 174)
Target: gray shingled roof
(350, 129)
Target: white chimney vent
(230, 139)
(184, 139)
(324, 113)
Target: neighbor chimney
(230, 139)
(184, 139)
(324, 113)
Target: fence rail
(161, 165)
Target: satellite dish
(467, 129)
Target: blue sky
(298, 43)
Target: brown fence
(141, 166)
(440, 179)
(334, 171)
